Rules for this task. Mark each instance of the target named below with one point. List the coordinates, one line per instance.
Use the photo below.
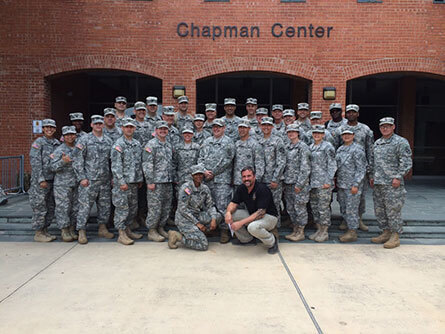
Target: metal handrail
(13, 173)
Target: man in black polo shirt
(261, 215)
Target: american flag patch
(119, 149)
(51, 155)
(187, 191)
(36, 146)
(79, 146)
(148, 149)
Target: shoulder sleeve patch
(36, 146)
(148, 149)
(79, 146)
(118, 148)
(51, 155)
(187, 191)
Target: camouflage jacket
(232, 127)
(157, 162)
(126, 161)
(351, 166)
(274, 158)
(40, 158)
(199, 137)
(247, 153)
(143, 132)
(298, 165)
(64, 171)
(332, 126)
(183, 121)
(323, 164)
(308, 139)
(217, 156)
(114, 133)
(185, 156)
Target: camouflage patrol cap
(128, 121)
(335, 106)
(183, 99)
(347, 130)
(199, 117)
(121, 99)
(352, 107)
(316, 114)
(277, 107)
(229, 101)
(197, 169)
(67, 130)
(303, 106)
(293, 127)
(267, 120)
(49, 122)
(262, 111)
(97, 119)
(386, 120)
(76, 116)
(244, 123)
(288, 112)
(218, 122)
(251, 100)
(109, 111)
(319, 128)
(168, 110)
(151, 101)
(210, 106)
(139, 105)
(161, 124)
(187, 130)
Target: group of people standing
(230, 173)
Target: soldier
(92, 168)
(65, 185)
(182, 118)
(126, 166)
(157, 164)
(185, 155)
(110, 128)
(120, 105)
(323, 168)
(256, 132)
(216, 155)
(211, 116)
(251, 107)
(351, 169)
(289, 117)
(275, 161)
(168, 115)
(143, 132)
(196, 213)
(296, 182)
(247, 153)
(316, 117)
(392, 161)
(303, 116)
(152, 112)
(337, 120)
(76, 119)
(277, 115)
(41, 196)
(200, 134)
(230, 119)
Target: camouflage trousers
(42, 205)
(99, 192)
(126, 205)
(349, 206)
(159, 203)
(296, 204)
(320, 200)
(67, 205)
(388, 203)
(222, 195)
(362, 205)
(277, 193)
(259, 229)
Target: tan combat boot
(82, 237)
(162, 232)
(174, 239)
(299, 235)
(132, 235)
(292, 234)
(66, 235)
(153, 235)
(362, 226)
(314, 235)
(224, 237)
(349, 236)
(343, 226)
(104, 233)
(323, 235)
(382, 238)
(53, 237)
(40, 236)
(393, 241)
(124, 239)
(73, 232)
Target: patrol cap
(386, 120)
(128, 121)
(121, 99)
(277, 107)
(199, 117)
(187, 130)
(218, 122)
(229, 100)
(66, 130)
(267, 120)
(244, 123)
(161, 124)
(183, 99)
(316, 115)
(293, 127)
(303, 106)
(168, 110)
(352, 107)
(251, 100)
(288, 112)
(210, 106)
(262, 111)
(49, 122)
(151, 101)
(76, 116)
(139, 105)
(109, 111)
(335, 106)
(347, 131)
(197, 169)
(319, 128)
(97, 119)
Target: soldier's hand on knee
(84, 183)
(201, 227)
(354, 190)
(43, 184)
(213, 224)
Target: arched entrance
(269, 88)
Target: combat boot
(292, 234)
(313, 235)
(153, 235)
(132, 235)
(323, 235)
(40, 236)
(53, 237)
(82, 237)
(362, 226)
(162, 232)
(382, 238)
(393, 241)
(104, 233)
(299, 234)
(343, 226)
(124, 239)
(66, 235)
(174, 239)
(349, 236)
(73, 232)
(224, 237)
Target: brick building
(387, 56)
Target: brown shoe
(343, 226)
(104, 233)
(323, 235)
(362, 226)
(66, 235)
(53, 237)
(349, 236)
(299, 234)
(82, 237)
(162, 232)
(393, 241)
(224, 237)
(124, 239)
(174, 239)
(40, 236)
(292, 234)
(132, 235)
(73, 232)
(314, 235)
(153, 235)
(382, 238)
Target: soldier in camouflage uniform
(296, 182)
(196, 213)
(41, 196)
(199, 134)
(168, 115)
(275, 161)
(303, 116)
(255, 132)
(152, 113)
(230, 119)
(337, 120)
(316, 117)
(182, 118)
(120, 105)
(323, 168)
(216, 156)
(157, 164)
(351, 169)
(251, 107)
(92, 168)
(211, 116)
(76, 119)
(278, 122)
(65, 185)
(110, 128)
(392, 161)
(126, 166)
(185, 155)
(143, 131)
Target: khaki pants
(258, 228)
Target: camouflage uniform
(232, 127)
(199, 137)
(126, 166)
(392, 159)
(42, 200)
(195, 205)
(332, 126)
(247, 153)
(119, 121)
(184, 157)
(280, 130)
(143, 132)
(323, 168)
(296, 175)
(157, 164)
(114, 133)
(182, 121)
(306, 125)
(152, 123)
(208, 127)
(253, 122)
(92, 162)
(351, 169)
(173, 137)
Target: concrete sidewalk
(109, 288)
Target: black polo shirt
(259, 198)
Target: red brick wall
(44, 38)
